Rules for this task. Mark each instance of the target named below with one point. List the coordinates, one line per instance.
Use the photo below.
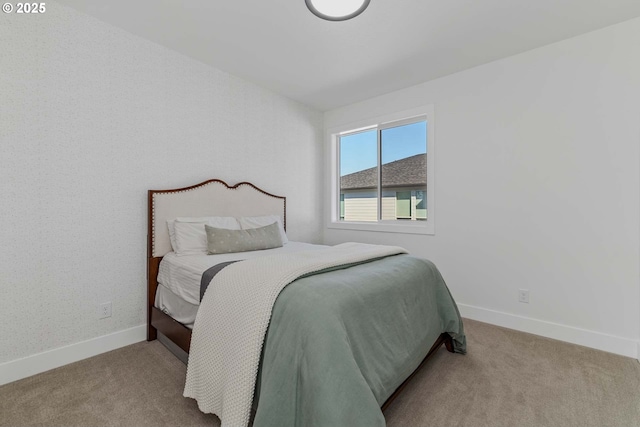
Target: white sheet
(181, 274)
(176, 307)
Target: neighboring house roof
(411, 171)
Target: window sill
(384, 227)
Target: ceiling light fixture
(337, 10)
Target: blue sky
(359, 151)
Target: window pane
(359, 176)
(404, 169)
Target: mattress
(178, 293)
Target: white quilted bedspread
(232, 321)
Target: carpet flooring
(508, 378)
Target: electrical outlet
(523, 295)
(104, 310)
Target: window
(383, 175)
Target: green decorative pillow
(223, 241)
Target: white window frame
(382, 122)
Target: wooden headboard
(209, 198)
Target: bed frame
(209, 198)
(213, 198)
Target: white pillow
(247, 222)
(172, 228)
(190, 237)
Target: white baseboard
(610, 343)
(21, 368)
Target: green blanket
(340, 342)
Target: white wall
(91, 118)
(537, 187)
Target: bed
(287, 391)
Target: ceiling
(394, 44)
